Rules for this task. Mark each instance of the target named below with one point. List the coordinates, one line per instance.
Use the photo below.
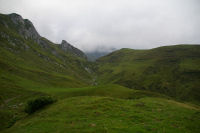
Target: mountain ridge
(27, 30)
(172, 70)
(27, 52)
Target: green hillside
(29, 62)
(125, 91)
(110, 108)
(171, 70)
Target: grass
(106, 114)
(110, 90)
(15, 103)
(107, 108)
(170, 70)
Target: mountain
(125, 91)
(170, 70)
(23, 49)
(29, 61)
(21, 26)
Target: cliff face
(71, 49)
(24, 27)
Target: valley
(155, 90)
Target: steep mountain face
(28, 60)
(24, 27)
(172, 70)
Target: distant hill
(171, 70)
(92, 56)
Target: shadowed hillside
(171, 70)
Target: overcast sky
(104, 24)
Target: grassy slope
(109, 90)
(110, 108)
(27, 67)
(106, 114)
(25, 64)
(172, 70)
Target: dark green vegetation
(37, 104)
(125, 91)
(170, 70)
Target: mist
(103, 25)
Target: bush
(38, 103)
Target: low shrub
(38, 103)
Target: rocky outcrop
(71, 49)
(24, 27)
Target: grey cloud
(106, 24)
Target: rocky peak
(17, 19)
(71, 49)
(24, 27)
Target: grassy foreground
(106, 114)
(109, 108)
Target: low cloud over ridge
(106, 24)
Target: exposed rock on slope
(69, 48)
(25, 28)
(22, 47)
